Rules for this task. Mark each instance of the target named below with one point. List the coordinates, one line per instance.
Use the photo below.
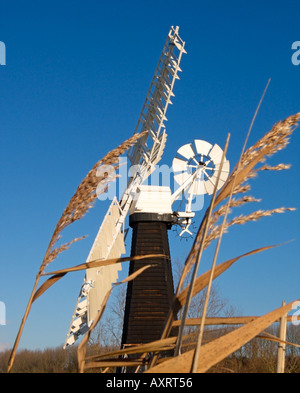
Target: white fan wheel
(204, 156)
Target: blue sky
(75, 79)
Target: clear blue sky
(76, 77)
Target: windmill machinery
(198, 169)
(145, 154)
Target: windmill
(109, 241)
(149, 296)
(150, 214)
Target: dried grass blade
(275, 140)
(240, 220)
(81, 352)
(200, 284)
(135, 274)
(217, 321)
(47, 284)
(97, 263)
(116, 363)
(270, 337)
(103, 262)
(217, 350)
(79, 204)
(56, 251)
(270, 143)
(199, 254)
(159, 345)
(279, 167)
(85, 195)
(202, 280)
(230, 184)
(226, 320)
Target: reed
(246, 168)
(250, 163)
(83, 200)
(272, 142)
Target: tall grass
(230, 196)
(237, 183)
(83, 200)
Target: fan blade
(199, 189)
(216, 154)
(209, 187)
(180, 178)
(225, 167)
(202, 147)
(223, 175)
(179, 165)
(186, 151)
(222, 179)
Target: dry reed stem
(80, 203)
(270, 143)
(271, 337)
(257, 215)
(220, 348)
(200, 283)
(98, 361)
(226, 320)
(217, 321)
(199, 239)
(279, 167)
(216, 230)
(199, 254)
(211, 278)
(81, 352)
(57, 275)
(104, 262)
(233, 203)
(56, 251)
(116, 363)
(273, 141)
(158, 345)
(82, 347)
(85, 195)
